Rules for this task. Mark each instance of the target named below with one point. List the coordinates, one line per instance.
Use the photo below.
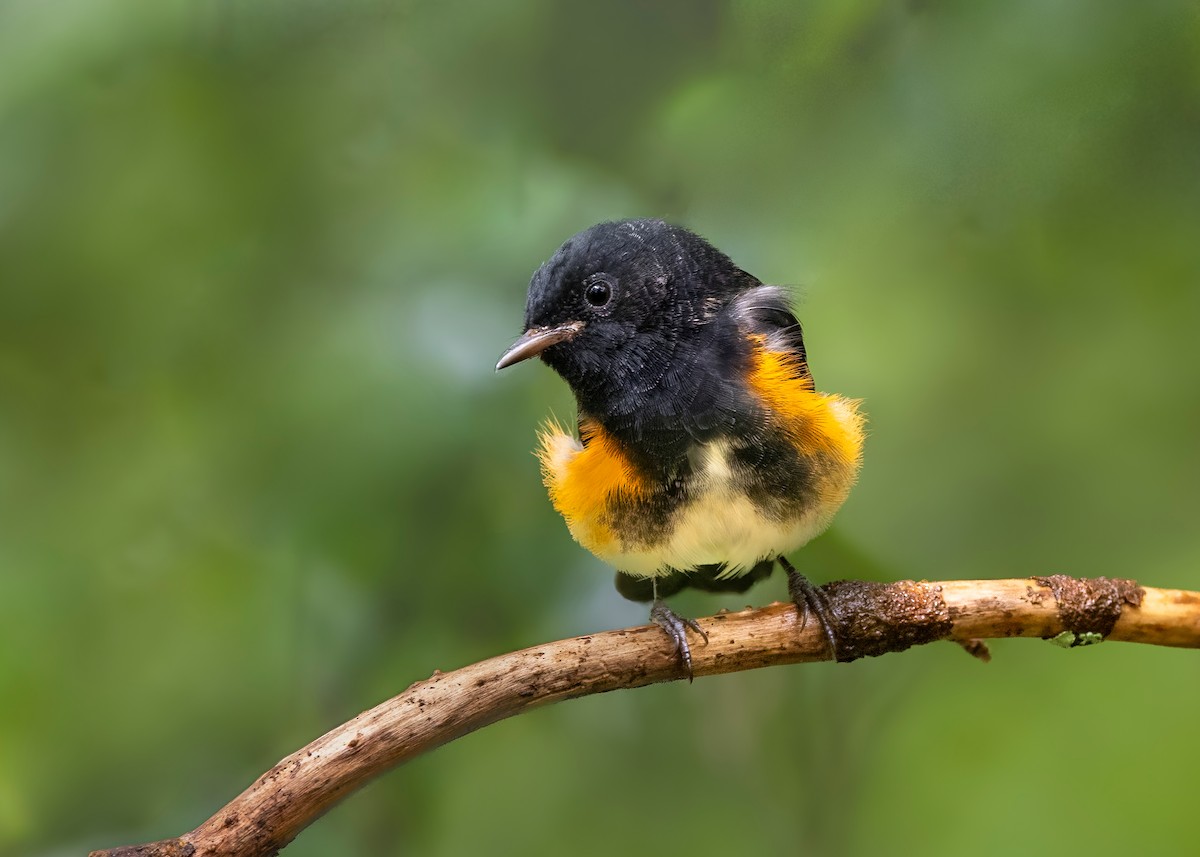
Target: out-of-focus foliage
(256, 472)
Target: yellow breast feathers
(718, 523)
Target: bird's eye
(598, 293)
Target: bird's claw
(676, 627)
(810, 599)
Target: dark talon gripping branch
(676, 627)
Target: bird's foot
(809, 598)
(676, 627)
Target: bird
(703, 453)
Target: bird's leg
(809, 598)
(676, 627)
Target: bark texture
(870, 619)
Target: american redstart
(704, 452)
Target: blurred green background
(257, 473)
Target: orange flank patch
(817, 423)
(583, 480)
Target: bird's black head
(622, 311)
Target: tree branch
(869, 619)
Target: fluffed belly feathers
(729, 511)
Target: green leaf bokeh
(257, 473)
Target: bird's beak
(536, 340)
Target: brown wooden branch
(869, 619)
